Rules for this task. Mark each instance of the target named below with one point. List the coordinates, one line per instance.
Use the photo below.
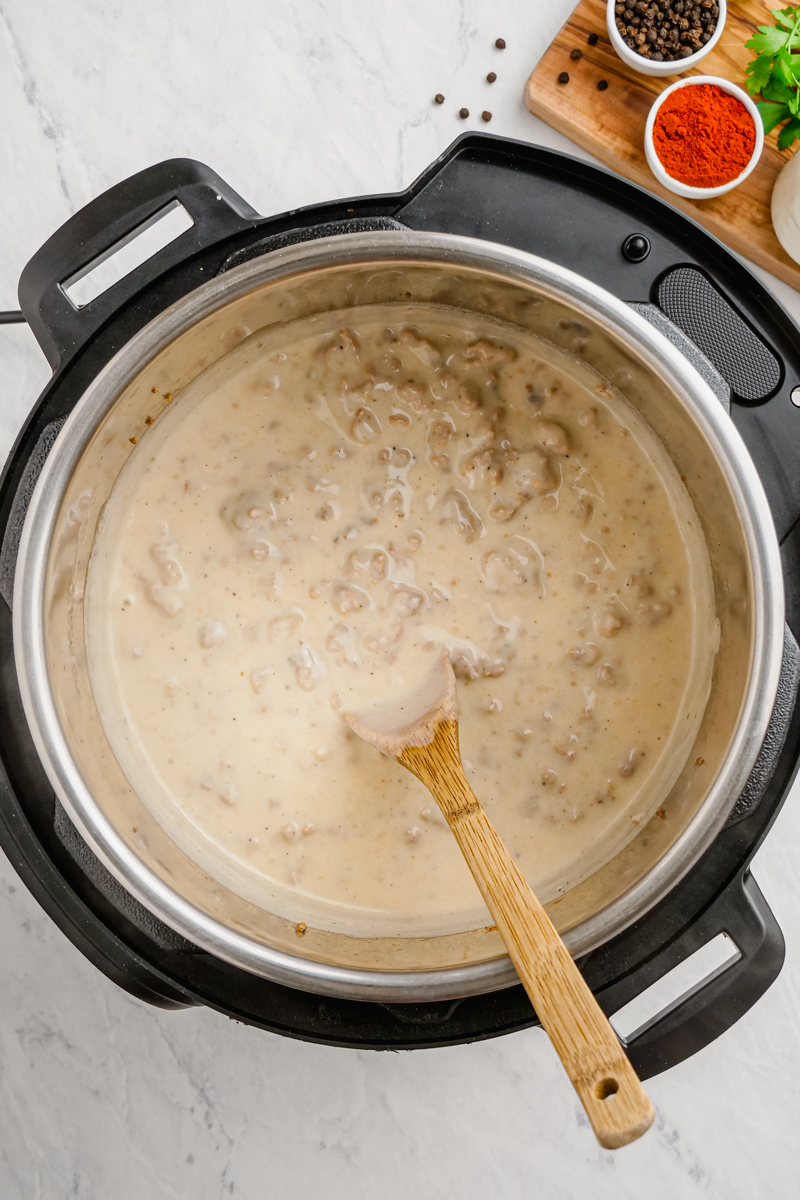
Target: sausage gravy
(319, 514)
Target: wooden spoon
(421, 732)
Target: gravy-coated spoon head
(420, 730)
(410, 719)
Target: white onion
(786, 208)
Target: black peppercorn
(668, 30)
(576, 54)
(602, 84)
(563, 77)
(439, 98)
(592, 39)
(500, 43)
(463, 113)
(490, 78)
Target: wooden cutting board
(610, 124)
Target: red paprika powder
(703, 136)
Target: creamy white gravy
(317, 516)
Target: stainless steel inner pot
(345, 272)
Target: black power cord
(12, 317)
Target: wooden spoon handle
(609, 1089)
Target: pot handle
(107, 224)
(715, 1004)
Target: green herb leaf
(759, 71)
(789, 65)
(781, 16)
(787, 135)
(768, 40)
(785, 16)
(772, 114)
(781, 72)
(777, 90)
(774, 73)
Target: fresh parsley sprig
(774, 74)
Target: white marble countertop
(101, 1096)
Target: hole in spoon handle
(617, 1107)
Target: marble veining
(102, 1096)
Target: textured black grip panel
(692, 302)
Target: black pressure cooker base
(584, 218)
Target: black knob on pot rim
(636, 247)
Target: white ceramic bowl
(645, 65)
(654, 162)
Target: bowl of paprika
(703, 137)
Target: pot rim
(392, 247)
